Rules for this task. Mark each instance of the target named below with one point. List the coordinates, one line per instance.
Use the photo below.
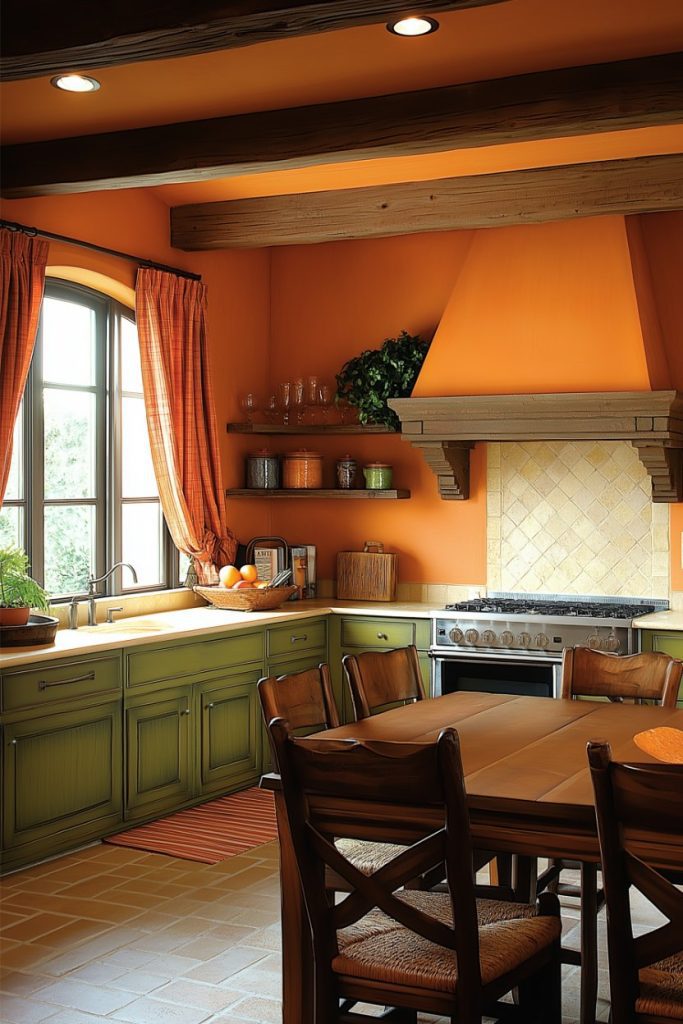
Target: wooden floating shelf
(301, 428)
(354, 495)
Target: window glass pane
(131, 375)
(141, 541)
(69, 444)
(11, 523)
(69, 548)
(68, 342)
(183, 566)
(15, 483)
(137, 472)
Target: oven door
(494, 673)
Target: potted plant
(368, 380)
(18, 592)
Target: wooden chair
(379, 679)
(633, 678)
(306, 700)
(633, 803)
(390, 946)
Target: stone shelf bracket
(446, 429)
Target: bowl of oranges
(241, 590)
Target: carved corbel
(665, 468)
(450, 462)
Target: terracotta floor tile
(25, 955)
(196, 993)
(139, 982)
(225, 965)
(33, 927)
(152, 1011)
(74, 932)
(263, 1010)
(15, 1010)
(19, 983)
(79, 995)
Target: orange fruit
(243, 585)
(229, 575)
(249, 573)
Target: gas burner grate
(529, 606)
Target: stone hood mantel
(446, 429)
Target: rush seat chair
(383, 944)
(633, 678)
(635, 804)
(381, 679)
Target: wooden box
(367, 575)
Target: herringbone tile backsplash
(568, 517)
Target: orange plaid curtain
(171, 321)
(22, 270)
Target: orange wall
(328, 303)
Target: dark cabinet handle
(44, 684)
(382, 636)
(293, 639)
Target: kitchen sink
(133, 625)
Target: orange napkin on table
(665, 743)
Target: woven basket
(245, 600)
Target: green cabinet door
(159, 752)
(229, 731)
(284, 667)
(62, 778)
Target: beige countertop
(193, 622)
(668, 620)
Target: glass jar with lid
(302, 470)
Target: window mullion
(35, 490)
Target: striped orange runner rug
(210, 832)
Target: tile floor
(112, 934)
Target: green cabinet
(159, 769)
(669, 643)
(61, 781)
(229, 740)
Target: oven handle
(494, 659)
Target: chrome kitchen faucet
(92, 595)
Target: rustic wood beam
(44, 38)
(641, 185)
(550, 104)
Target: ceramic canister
(263, 470)
(302, 470)
(378, 476)
(347, 468)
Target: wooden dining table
(528, 786)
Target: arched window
(82, 493)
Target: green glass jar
(378, 476)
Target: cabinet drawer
(192, 659)
(46, 684)
(297, 636)
(668, 643)
(378, 633)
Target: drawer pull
(293, 639)
(382, 636)
(186, 712)
(13, 743)
(212, 705)
(44, 684)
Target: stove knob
(488, 637)
(541, 640)
(611, 644)
(456, 635)
(524, 639)
(472, 635)
(507, 639)
(594, 642)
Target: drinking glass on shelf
(271, 409)
(345, 411)
(325, 397)
(250, 406)
(298, 398)
(312, 398)
(284, 394)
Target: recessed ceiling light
(416, 26)
(75, 83)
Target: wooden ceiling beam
(637, 93)
(641, 185)
(44, 38)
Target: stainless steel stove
(513, 644)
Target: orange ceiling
(486, 42)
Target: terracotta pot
(14, 616)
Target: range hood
(446, 429)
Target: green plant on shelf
(368, 380)
(17, 588)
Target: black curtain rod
(98, 248)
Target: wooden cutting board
(367, 575)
